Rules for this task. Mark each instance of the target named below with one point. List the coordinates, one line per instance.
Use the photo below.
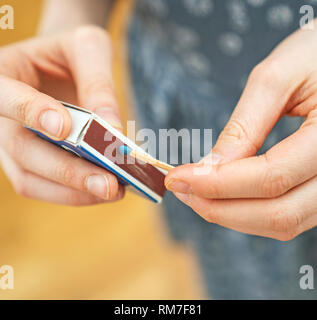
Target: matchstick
(125, 150)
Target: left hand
(74, 67)
(274, 194)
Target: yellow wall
(26, 13)
(107, 251)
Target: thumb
(23, 103)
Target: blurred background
(116, 251)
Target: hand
(75, 67)
(274, 194)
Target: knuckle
(65, 173)
(236, 132)
(286, 223)
(275, 182)
(235, 129)
(24, 108)
(267, 70)
(275, 185)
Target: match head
(124, 150)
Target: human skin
(77, 65)
(61, 15)
(274, 194)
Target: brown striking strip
(107, 144)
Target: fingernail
(178, 186)
(108, 115)
(52, 123)
(183, 197)
(98, 185)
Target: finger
(273, 88)
(288, 164)
(32, 186)
(247, 216)
(90, 60)
(46, 160)
(20, 102)
(260, 107)
(35, 187)
(282, 218)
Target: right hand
(78, 62)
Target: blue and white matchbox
(87, 140)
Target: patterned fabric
(190, 60)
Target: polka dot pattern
(190, 61)
(279, 16)
(230, 43)
(199, 7)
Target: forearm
(61, 15)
